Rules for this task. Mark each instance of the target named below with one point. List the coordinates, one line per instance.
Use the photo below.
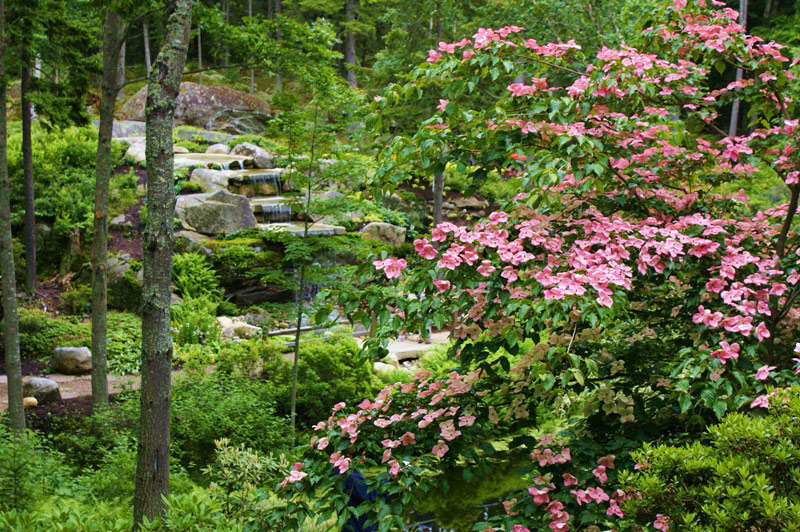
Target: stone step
(314, 229)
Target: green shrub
(27, 469)
(329, 371)
(41, 333)
(193, 276)
(747, 477)
(206, 408)
(194, 321)
(125, 293)
(65, 161)
(78, 300)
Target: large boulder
(73, 360)
(232, 328)
(209, 180)
(261, 157)
(222, 149)
(45, 391)
(208, 107)
(215, 213)
(136, 152)
(384, 232)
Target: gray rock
(215, 213)
(329, 195)
(136, 152)
(209, 180)
(179, 149)
(203, 106)
(190, 241)
(73, 360)
(117, 266)
(223, 149)
(384, 232)
(232, 328)
(382, 367)
(470, 202)
(44, 390)
(261, 157)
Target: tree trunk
(735, 107)
(252, 70)
(438, 197)
(146, 32)
(350, 45)
(112, 33)
(27, 165)
(227, 10)
(279, 37)
(199, 55)
(152, 464)
(121, 72)
(768, 9)
(10, 321)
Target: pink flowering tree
(620, 279)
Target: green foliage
(64, 162)
(77, 300)
(40, 333)
(193, 276)
(125, 293)
(206, 408)
(238, 473)
(194, 321)
(745, 478)
(27, 470)
(329, 371)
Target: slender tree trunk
(121, 72)
(146, 32)
(10, 321)
(350, 45)
(227, 10)
(768, 9)
(152, 464)
(735, 108)
(27, 165)
(270, 10)
(199, 55)
(252, 70)
(112, 33)
(438, 197)
(302, 284)
(279, 37)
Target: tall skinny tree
(109, 85)
(10, 321)
(27, 165)
(152, 465)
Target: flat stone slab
(314, 229)
(185, 160)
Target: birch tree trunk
(152, 464)
(735, 108)
(146, 34)
(252, 70)
(112, 34)
(199, 55)
(27, 165)
(121, 72)
(10, 321)
(350, 45)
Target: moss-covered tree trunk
(152, 465)
(108, 93)
(27, 166)
(10, 321)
